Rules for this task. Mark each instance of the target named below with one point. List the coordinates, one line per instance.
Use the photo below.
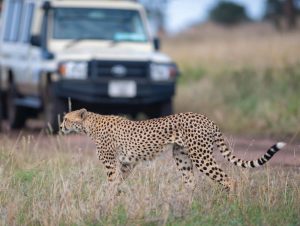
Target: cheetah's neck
(96, 125)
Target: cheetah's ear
(83, 113)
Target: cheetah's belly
(127, 155)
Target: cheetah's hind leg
(207, 165)
(185, 166)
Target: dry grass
(55, 183)
(216, 48)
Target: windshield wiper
(74, 42)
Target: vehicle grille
(99, 68)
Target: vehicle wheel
(166, 109)
(16, 115)
(134, 115)
(3, 105)
(163, 109)
(54, 109)
(1, 110)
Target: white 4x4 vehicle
(97, 53)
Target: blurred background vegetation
(242, 73)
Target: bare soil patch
(243, 147)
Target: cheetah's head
(73, 121)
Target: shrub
(228, 13)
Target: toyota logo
(119, 70)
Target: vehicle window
(16, 20)
(107, 24)
(8, 19)
(26, 23)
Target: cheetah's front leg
(107, 157)
(111, 169)
(127, 163)
(113, 177)
(126, 169)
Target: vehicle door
(27, 83)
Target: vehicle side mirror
(35, 40)
(46, 6)
(156, 43)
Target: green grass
(245, 101)
(58, 184)
(246, 78)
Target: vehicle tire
(54, 109)
(163, 109)
(1, 110)
(3, 104)
(16, 115)
(134, 115)
(166, 109)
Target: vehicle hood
(126, 52)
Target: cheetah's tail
(219, 140)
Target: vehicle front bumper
(96, 92)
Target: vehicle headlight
(73, 70)
(163, 72)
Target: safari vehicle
(98, 54)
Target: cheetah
(123, 142)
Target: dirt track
(245, 148)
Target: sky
(181, 13)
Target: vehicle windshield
(91, 23)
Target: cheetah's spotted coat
(192, 136)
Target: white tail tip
(280, 145)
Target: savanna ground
(246, 79)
